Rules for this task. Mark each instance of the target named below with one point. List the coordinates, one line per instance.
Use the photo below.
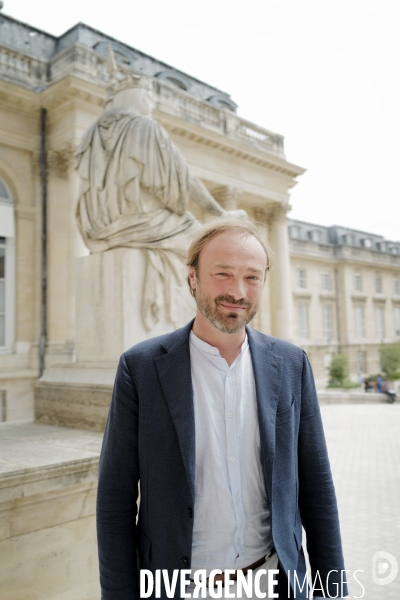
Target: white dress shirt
(231, 528)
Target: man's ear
(192, 278)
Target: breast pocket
(286, 415)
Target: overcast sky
(323, 73)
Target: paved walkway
(364, 448)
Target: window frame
(303, 333)
(358, 277)
(360, 332)
(301, 278)
(10, 276)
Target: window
(360, 332)
(314, 235)
(379, 316)
(7, 253)
(327, 360)
(326, 281)
(361, 363)
(396, 286)
(328, 322)
(294, 232)
(397, 320)
(303, 320)
(357, 282)
(378, 284)
(2, 291)
(301, 278)
(348, 238)
(366, 243)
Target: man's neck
(228, 344)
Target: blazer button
(184, 562)
(189, 513)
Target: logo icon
(384, 568)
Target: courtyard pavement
(364, 448)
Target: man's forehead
(227, 247)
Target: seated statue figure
(134, 193)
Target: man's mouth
(233, 307)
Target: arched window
(7, 269)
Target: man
(221, 426)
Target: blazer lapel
(173, 369)
(268, 371)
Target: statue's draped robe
(134, 193)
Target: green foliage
(390, 359)
(347, 385)
(338, 369)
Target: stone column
(281, 293)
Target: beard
(230, 322)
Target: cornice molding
(215, 140)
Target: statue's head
(133, 92)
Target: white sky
(323, 73)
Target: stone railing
(20, 68)
(181, 104)
(79, 60)
(85, 62)
(88, 64)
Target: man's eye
(254, 277)
(222, 273)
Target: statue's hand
(237, 214)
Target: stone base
(75, 396)
(109, 298)
(48, 483)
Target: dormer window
(348, 239)
(314, 235)
(294, 232)
(122, 55)
(175, 78)
(366, 243)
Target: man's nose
(236, 289)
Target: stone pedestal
(109, 296)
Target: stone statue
(135, 189)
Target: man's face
(229, 280)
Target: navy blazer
(150, 437)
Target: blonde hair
(219, 225)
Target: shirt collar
(208, 349)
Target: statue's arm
(200, 194)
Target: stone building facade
(52, 90)
(345, 295)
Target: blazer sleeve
(118, 492)
(317, 498)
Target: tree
(338, 369)
(390, 359)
